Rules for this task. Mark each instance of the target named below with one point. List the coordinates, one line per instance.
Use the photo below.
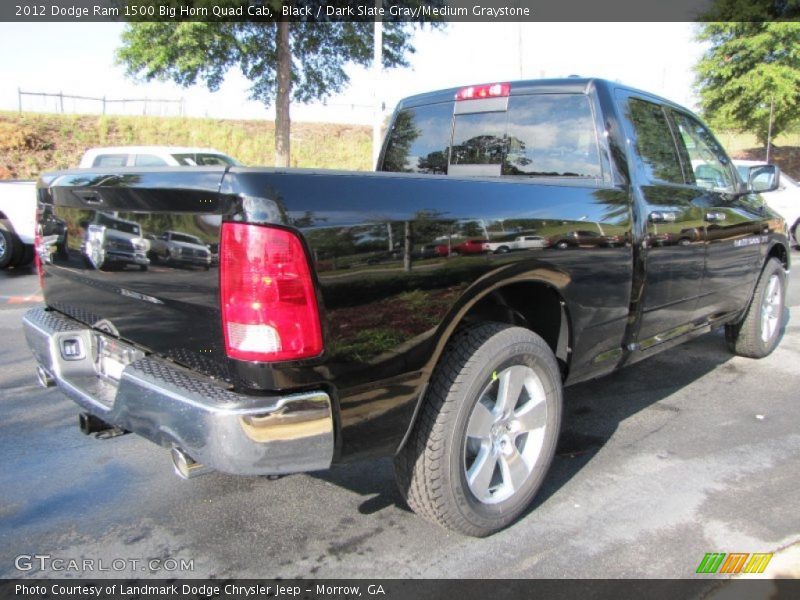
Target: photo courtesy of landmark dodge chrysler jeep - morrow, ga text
(328, 334)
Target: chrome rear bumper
(174, 407)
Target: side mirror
(763, 178)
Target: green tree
(750, 70)
(300, 61)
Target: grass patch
(32, 142)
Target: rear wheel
(63, 248)
(11, 249)
(26, 256)
(486, 434)
(759, 332)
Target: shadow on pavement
(592, 413)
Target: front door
(734, 222)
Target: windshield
(186, 239)
(117, 224)
(204, 159)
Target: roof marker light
(480, 92)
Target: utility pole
(377, 60)
(769, 129)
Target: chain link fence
(73, 104)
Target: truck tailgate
(108, 264)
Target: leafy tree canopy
(749, 68)
(300, 60)
(192, 52)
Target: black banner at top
(421, 11)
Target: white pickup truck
(785, 200)
(18, 198)
(520, 242)
(17, 222)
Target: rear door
(674, 244)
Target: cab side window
(655, 144)
(710, 167)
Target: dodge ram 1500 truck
(298, 353)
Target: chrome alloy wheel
(771, 309)
(3, 246)
(505, 434)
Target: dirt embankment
(33, 143)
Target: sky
(78, 59)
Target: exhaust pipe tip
(44, 378)
(185, 466)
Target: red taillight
(37, 247)
(269, 307)
(478, 92)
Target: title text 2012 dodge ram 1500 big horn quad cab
(299, 352)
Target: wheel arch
(780, 252)
(534, 301)
(5, 222)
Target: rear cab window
(110, 160)
(540, 135)
(655, 145)
(149, 160)
(419, 140)
(204, 159)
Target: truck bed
(384, 303)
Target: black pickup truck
(341, 323)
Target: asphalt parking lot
(692, 451)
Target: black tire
(759, 332)
(502, 250)
(562, 245)
(26, 256)
(62, 249)
(143, 267)
(11, 248)
(439, 468)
